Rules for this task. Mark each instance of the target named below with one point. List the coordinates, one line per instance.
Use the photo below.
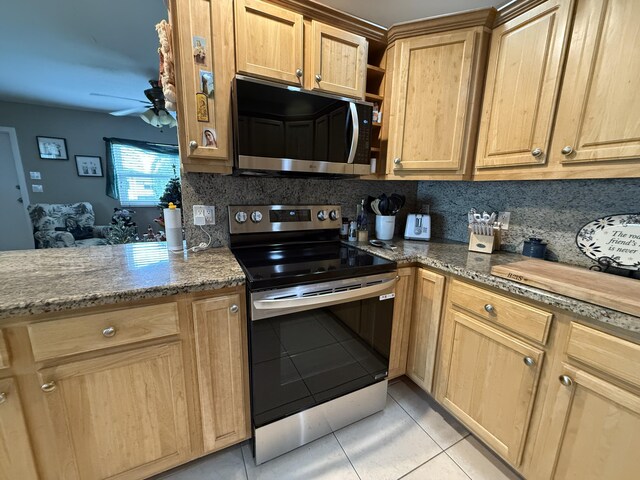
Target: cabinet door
(490, 382)
(598, 110)
(269, 41)
(523, 75)
(430, 103)
(221, 355)
(120, 414)
(339, 60)
(425, 326)
(591, 432)
(16, 459)
(203, 42)
(401, 322)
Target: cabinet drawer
(609, 354)
(528, 321)
(59, 338)
(4, 352)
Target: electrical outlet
(35, 176)
(37, 188)
(204, 215)
(503, 218)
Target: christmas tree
(172, 192)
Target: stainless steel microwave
(284, 130)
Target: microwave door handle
(355, 135)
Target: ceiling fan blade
(121, 98)
(129, 111)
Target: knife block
(485, 243)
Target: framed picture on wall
(89, 166)
(52, 148)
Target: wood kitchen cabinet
(16, 459)
(425, 327)
(205, 26)
(435, 86)
(221, 355)
(402, 307)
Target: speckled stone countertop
(39, 281)
(454, 257)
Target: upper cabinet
(204, 67)
(435, 83)
(269, 41)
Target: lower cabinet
(222, 367)
(119, 415)
(401, 321)
(16, 456)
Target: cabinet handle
(489, 308)
(48, 387)
(193, 144)
(234, 308)
(565, 380)
(529, 362)
(3, 397)
(397, 161)
(109, 332)
(299, 73)
(536, 152)
(568, 150)
(318, 77)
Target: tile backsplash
(222, 191)
(553, 210)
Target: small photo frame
(199, 49)
(206, 83)
(209, 138)
(52, 148)
(202, 107)
(89, 166)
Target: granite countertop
(49, 280)
(454, 257)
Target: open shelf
(374, 97)
(376, 124)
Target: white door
(15, 226)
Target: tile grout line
(244, 463)
(346, 455)
(457, 464)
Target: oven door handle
(326, 299)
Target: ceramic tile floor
(412, 439)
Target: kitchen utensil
(383, 206)
(379, 244)
(418, 227)
(385, 225)
(375, 206)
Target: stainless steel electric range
(320, 315)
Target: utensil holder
(385, 225)
(485, 243)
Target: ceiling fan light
(164, 118)
(151, 118)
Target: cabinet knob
(299, 73)
(489, 308)
(565, 380)
(536, 152)
(109, 332)
(529, 362)
(193, 144)
(318, 77)
(397, 161)
(3, 397)
(48, 387)
(234, 308)
(568, 150)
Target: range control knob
(256, 216)
(333, 215)
(241, 217)
(322, 215)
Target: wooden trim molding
(513, 9)
(336, 18)
(482, 17)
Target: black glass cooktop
(275, 266)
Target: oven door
(313, 343)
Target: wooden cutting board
(617, 293)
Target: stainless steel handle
(3, 397)
(193, 144)
(299, 72)
(568, 150)
(529, 362)
(109, 332)
(536, 152)
(234, 308)
(318, 77)
(356, 132)
(397, 161)
(48, 387)
(489, 308)
(565, 380)
(324, 300)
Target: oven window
(303, 359)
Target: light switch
(37, 188)
(35, 175)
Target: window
(140, 171)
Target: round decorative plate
(615, 237)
